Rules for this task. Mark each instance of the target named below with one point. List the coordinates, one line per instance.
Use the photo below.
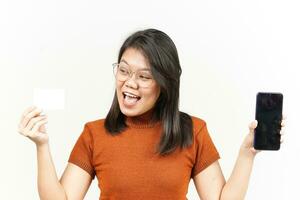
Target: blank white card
(49, 99)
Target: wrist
(42, 146)
(246, 154)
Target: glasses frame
(136, 79)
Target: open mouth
(130, 99)
(129, 95)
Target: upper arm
(209, 182)
(75, 182)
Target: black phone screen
(269, 115)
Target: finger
(33, 121)
(30, 115)
(283, 123)
(21, 131)
(253, 150)
(281, 140)
(28, 110)
(39, 124)
(34, 132)
(252, 126)
(24, 114)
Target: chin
(129, 112)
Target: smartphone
(269, 115)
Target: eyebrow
(147, 69)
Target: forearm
(237, 184)
(49, 186)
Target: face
(133, 99)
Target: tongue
(130, 101)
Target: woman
(145, 148)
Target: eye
(123, 70)
(145, 77)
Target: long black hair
(162, 56)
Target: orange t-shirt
(127, 166)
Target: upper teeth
(130, 95)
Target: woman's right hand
(32, 125)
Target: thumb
(252, 126)
(43, 128)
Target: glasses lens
(122, 73)
(142, 78)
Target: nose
(131, 82)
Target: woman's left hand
(247, 148)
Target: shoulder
(200, 130)
(97, 123)
(198, 123)
(95, 127)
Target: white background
(229, 50)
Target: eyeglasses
(123, 73)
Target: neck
(144, 120)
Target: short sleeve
(82, 152)
(206, 152)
